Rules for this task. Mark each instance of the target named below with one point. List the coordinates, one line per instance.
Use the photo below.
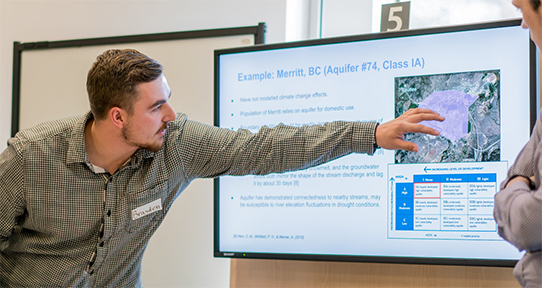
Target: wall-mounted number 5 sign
(395, 16)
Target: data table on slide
(443, 205)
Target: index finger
(425, 117)
(419, 111)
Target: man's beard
(127, 133)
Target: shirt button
(108, 213)
(102, 244)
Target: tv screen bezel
(533, 91)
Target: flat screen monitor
(430, 207)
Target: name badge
(147, 209)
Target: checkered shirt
(518, 211)
(65, 224)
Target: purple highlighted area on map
(454, 106)
(470, 104)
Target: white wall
(171, 260)
(346, 17)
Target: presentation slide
(434, 203)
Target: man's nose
(170, 113)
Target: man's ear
(117, 117)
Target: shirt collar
(76, 145)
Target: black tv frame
(533, 91)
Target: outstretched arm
(390, 135)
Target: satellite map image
(470, 102)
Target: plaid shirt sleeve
(216, 151)
(12, 199)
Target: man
(81, 197)
(518, 205)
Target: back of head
(112, 80)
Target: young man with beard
(81, 197)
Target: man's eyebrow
(160, 102)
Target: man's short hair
(112, 80)
(535, 4)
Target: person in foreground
(518, 205)
(82, 196)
